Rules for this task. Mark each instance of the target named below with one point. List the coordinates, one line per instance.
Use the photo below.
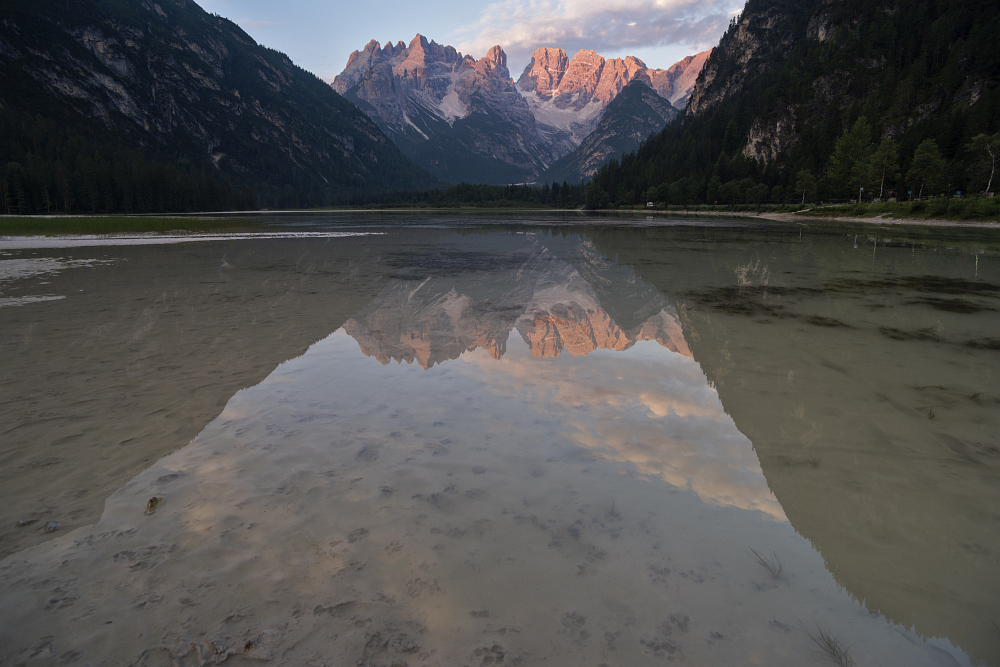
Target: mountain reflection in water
(434, 319)
(501, 502)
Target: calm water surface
(471, 442)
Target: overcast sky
(319, 35)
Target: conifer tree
(849, 164)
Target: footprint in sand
(494, 655)
(356, 535)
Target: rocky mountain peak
(497, 57)
(677, 81)
(545, 71)
(571, 95)
(425, 90)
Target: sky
(319, 35)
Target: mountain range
(467, 120)
(110, 106)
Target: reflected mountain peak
(550, 302)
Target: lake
(402, 439)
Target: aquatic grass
(831, 646)
(772, 564)
(122, 224)
(814, 460)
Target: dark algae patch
(919, 334)
(951, 305)
(742, 301)
(926, 284)
(821, 321)
(985, 343)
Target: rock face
(677, 81)
(634, 114)
(184, 85)
(765, 34)
(464, 119)
(461, 117)
(571, 95)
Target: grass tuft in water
(772, 564)
(122, 224)
(830, 645)
(612, 510)
(814, 460)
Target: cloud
(606, 26)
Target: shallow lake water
(478, 441)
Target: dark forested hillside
(130, 105)
(820, 99)
(632, 116)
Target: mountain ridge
(791, 80)
(631, 117)
(169, 84)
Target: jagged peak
(586, 54)
(497, 56)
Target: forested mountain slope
(125, 105)
(631, 117)
(823, 98)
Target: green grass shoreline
(122, 224)
(952, 210)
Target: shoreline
(794, 217)
(797, 218)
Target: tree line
(46, 167)
(859, 169)
(555, 195)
